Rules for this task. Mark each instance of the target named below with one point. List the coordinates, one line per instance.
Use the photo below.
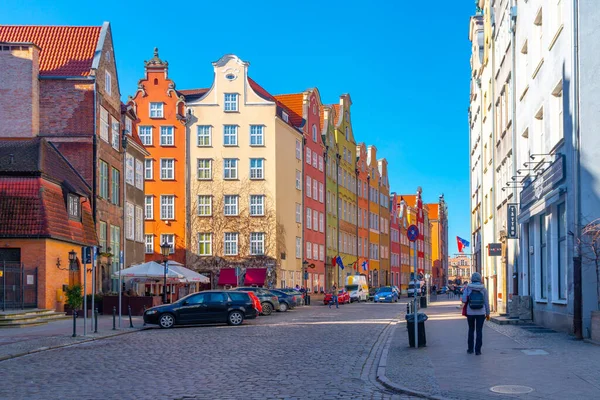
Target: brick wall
(66, 107)
(19, 112)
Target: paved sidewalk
(15, 342)
(553, 364)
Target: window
(116, 183)
(298, 150)
(149, 239)
(308, 250)
(231, 244)
(128, 126)
(257, 135)
(257, 205)
(74, 205)
(107, 82)
(167, 136)
(308, 218)
(562, 252)
(129, 169)
(149, 207)
(298, 180)
(231, 205)
(167, 207)
(308, 186)
(104, 124)
(298, 213)
(130, 221)
(321, 223)
(139, 179)
(115, 139)
(168, 238)
(257, 168)
(204, 169)
(314, 133)
(204, 136)
(230, 135)
(321, 163)
(315, 162)
(347, 134)
(102, 237)
(315, 223)
(321, 192)
(285, 116)
(543, 257)
(257, 243)
(148, 169)
(205, 244)
(204, 205)
(298, 247)
(156, 110)
(315, 189)
(321, 252)
(231, 102)
(145, 134)
(308, 156)
(167, 169)
(115, 245)
(230, 168)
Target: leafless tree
(243, 224)
(590, 248)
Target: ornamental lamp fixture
(165, 250)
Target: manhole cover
(511, 389)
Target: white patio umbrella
(189, 276)
(150, 269)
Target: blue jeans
(334, 300)
(475, 324)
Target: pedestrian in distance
(334, 297)
(476, 306)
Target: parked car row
(223, 306)
(384, 294)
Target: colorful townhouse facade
(439, 241)
(66, 80)
(362, 195)
(394, 240)
(161, 129)
(374, 223)
(310, 247)
(332, 166)
(245, 171)
(384, 217)
(346, 201)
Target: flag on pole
(461, 244)
(339, 262)
(365, 265)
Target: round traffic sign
(412, 233)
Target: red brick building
(46, 212)
(61, 83)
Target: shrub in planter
(74, 299)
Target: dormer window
(128, 126)
(231, 102)
(285, 116)
(74, 207)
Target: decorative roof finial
(156, 61)
(156, 52)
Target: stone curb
(59, 346)
(383, 379)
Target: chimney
(19, 84)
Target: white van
(357, 286)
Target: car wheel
(235, 318)
(267, 308)
(283, 307)
(166, 321)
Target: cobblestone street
(311, 352)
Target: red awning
(255, 276)
(227, 277)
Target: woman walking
(478, 310)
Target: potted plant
(74, 299)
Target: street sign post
(413, 233)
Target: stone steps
(22, 318)
(504, 320)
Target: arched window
(347, 136)
(155, 81)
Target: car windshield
(352, 287)
(384, 289)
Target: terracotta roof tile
(294, 102)
(64, 50)
(336, 107)
(193, 92)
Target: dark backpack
(476, 300)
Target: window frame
(204, 132)
(257, 238)
(166, 169)
(259, 207)
(108, 83)
(158, 112)
(74, 207)
(148, 244)
(204, 205)
(205, 238)
(257, 135)
(148, 167)
(115, 191)
(233, 240)
(171, 136)
(229, 169)
(229, 103)
(149, 208)
(172, 207)
(231, 209)
(146, 137)
(163, 237)
(258, 170)
(204, 169)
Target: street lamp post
(165, 249)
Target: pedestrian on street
(478, 310)
(334, 297)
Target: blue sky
(404, 63)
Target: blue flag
(339, 262)
(365, 265)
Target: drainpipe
(493, 184)
(577, 273)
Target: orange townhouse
(162, 131)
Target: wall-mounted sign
(512, 221)
(494, 249)
(544, 183)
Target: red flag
(460, 244)
(333, 262)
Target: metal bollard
(144, 314)
(114, 318)
(74, 323)
(130, 321)
(96, 321)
